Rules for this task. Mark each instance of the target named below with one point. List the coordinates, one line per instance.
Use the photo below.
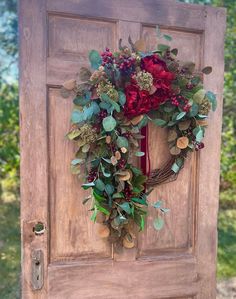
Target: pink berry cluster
(199, 146)
(180, 101)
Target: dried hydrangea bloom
(107, 88)
(144, 80)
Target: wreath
(113, 104)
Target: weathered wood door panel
(177, 262)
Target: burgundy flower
(141, 101)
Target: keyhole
(37, 263)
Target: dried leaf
(202, 122)
(103, 231)
(136, 119)
(172, 135)
(84, 74)
(125, 175)
(128, 241)
(70, 84)
(65, 93)
(117, 155)
(124, 150)
(184, 125)
(113, 160)
(182, 142)
(100, 218)
(175, 151)
(108, 139)
(140, 45)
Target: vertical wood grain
(209, 172)
(33, 138)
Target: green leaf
(164, 210)
(105, 173)
(81, 101)
(99, 185)
(107, 99)
(95, 59)
(198, 133)
(199, 96)
(180, 115)
(143, 122)
(77, 161)
(162, 47)
(109, 189)
(142, 223)
(139, 154)
(122, 142)
(174, 51)
(73, 134)
(126, 207)
(107, 160)
(158, 223)
(97, 196)
(175, 167)
(76, 116)
(159, 122)
(75, 169)
(207, 70)
(193, 110)
(88, 185)
(94, 215)
(212, 98)
(103, 210)
(109, 123)
(122, 98)
(118, 195)
(167, 37)
(139, 200)
(158, 204)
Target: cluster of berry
(107, 58)
(127, 191)
(180, 101)
(126, 64)
(92, 175)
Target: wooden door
(67, 259)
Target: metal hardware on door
(39, 228)
(37, 269)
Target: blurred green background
(9, 151)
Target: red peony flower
(139, 101)
(162, 78)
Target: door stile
(206, 250)
(33, 137)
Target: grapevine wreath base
(113, 105)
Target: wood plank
(109, 279)
(33, 136)
(162, 12)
